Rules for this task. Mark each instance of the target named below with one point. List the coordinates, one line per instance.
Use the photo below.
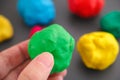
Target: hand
(15, 64)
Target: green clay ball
(56, 40)
(111, 23)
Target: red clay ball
(35, 29)
(86, 8)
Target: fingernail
(46, 59)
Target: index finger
(13, 57)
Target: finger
(39, 68)
(56, 78)
(12, 57)
(63, 74)
(13, 75)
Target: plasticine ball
(35, 29)
(56, 40)
(111, 23)
(36, 12)
(86, 8)
(6, 30)
(98, 50)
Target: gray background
(76, 26)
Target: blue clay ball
(36, 12)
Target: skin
(15, 64)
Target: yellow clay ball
(98, 50)
(6, 30)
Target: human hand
(15, 64)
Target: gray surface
(76, 26)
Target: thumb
(39, 68)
